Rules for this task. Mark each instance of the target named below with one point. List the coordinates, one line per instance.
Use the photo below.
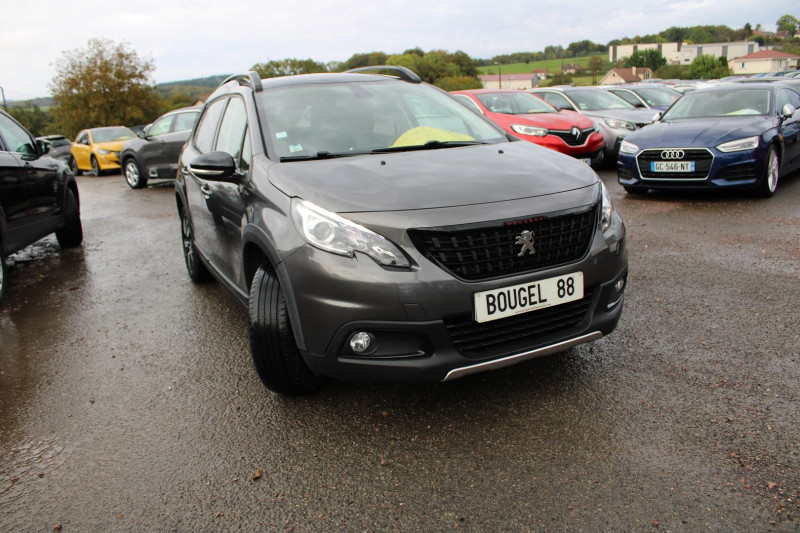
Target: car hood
(553, 121)
(704, 132)
(111, 146)
(637, 116)
(445, 177)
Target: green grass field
(552, 65)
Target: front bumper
(737, 170)
(422, 319)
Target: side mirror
(657, 116)
(42, 147)
(214, 166)
(788, 110)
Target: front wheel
(772, 171)
(133, 174)
(72, 232)
(95, 166)
(277, 360)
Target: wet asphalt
(128, 401)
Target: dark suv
(154, 153)
(38, 195)
(379, 230)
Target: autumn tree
(788, 23)
(104, 84)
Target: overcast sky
(205, 37)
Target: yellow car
(97, 149)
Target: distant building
(570, 68)
(510, 81)
(762, 62)
(684, 54)
(626, 75)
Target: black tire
(194, 266)
(772, 173)
(95, 166)
(277, 360)
(72, 233)
(133, 174)
(3, 278)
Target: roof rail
(399, 72)
(251, 79)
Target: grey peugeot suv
(378, 230)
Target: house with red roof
(626, 75)
(763, 62)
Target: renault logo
(526, 240)
(672, 154)
(575, 132)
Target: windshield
(514, 103)
(596, 99)
(732, 102)
(103, 135)
(658, 97)
(341, 119)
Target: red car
(523, 115)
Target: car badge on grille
(526, 240)
(576, 132)
(672, 154)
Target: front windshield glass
(339, 119)
(658, 97)
(514, 103)
(734, 102)
(103, 135)
(595, 99)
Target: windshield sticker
(295, 148)
(281, 135)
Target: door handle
(205, 189)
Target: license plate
(526, 297)
(672, 166)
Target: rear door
(172, 142)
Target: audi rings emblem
(672, 154)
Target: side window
(161, 126)
(232, 130)
(247, 152)
(204, 136)
(558, 101)
(17, 139)
(787, 97)
(628, 97)
(469, 102)
(83, 138)
(185, 121)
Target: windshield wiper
(324, 154)
(430, 145)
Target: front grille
(702, 164)
(624, 173)
(491, 251)
(476, 340)
(570, 139)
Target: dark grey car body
(440, 206)
(154, 153)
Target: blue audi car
(730, 136)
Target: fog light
(360, 342)
(619, 285)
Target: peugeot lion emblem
(526, 240)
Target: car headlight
(103, 152)
(628, 147)
(619, 124)
(606, 208)
(530, 130)
(332, 233)
(748, 143)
